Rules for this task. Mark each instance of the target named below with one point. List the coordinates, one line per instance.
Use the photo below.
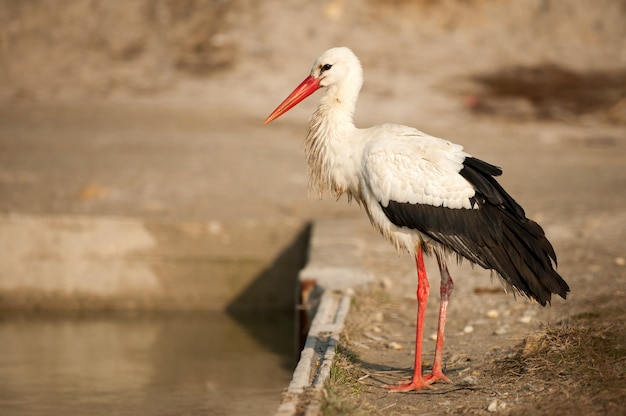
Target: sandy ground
(201, 76)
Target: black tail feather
(532, 254)
(524, 243)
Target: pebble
(395, 346)
(493, 314)
(468, 329)
(470, 380)
(504, 329)
(496, 406)
(525, 319)
(620, 261)
(433, 336)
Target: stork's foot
(419, 383)
(405, 386)
(436, 375)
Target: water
(177, 364)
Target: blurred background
(82, 49)
(147, 217)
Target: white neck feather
(328, 147)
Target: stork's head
(336, 65)
(338, 68)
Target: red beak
(306, 88)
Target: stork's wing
(411, 167)
(431, 185)
(417, 181)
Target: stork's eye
(326, 67)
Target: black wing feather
(496, 235)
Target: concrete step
(86, 262)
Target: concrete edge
(114, 263)
(327, 283)
(303, 395)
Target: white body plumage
(388, 163)
(379, 164)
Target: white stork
(423, 194)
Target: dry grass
(577, 367)
(344, 372)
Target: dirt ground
(535, 87)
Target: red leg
(423, 288)
(445, 291)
